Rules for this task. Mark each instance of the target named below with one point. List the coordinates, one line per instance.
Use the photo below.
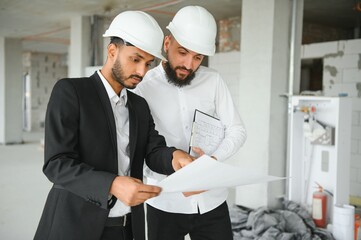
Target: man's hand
(200, 152)
(181, 159)
(187, 194)
(131, 191)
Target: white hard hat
(140, 29)
(195, 29)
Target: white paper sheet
(205, 173)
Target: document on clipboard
(207, 133)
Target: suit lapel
(133, 123)
(104, 99)
(133, 120)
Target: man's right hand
(131, 191)
(181, 159)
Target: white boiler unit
(319, 149)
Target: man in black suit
(97, 135)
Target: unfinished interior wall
(229, 34)
(43, 70)
(341, 74)
(227, 64)
(316, 33)
(342, 77)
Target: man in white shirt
(173, 90)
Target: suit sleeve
(64, 165)
(158, 155)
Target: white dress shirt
(173, 108)
(121, 115)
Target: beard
(172, 77)
(119, 76)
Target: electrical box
(319, 149)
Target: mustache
(184, 68)
(136, 76)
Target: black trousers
(117, 232)
(213, 225)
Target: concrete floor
(24, 187)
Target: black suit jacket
(81, 158)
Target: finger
(141, 197)
(137, 180)
(184, 163)
(187, 194)
(149, 189)
(198, 151)
(181, 159)
(144, 196)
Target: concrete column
(265, 56)
(11, 91)
(97, 40)
(80, 47)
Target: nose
(142, 70)
(188, 62)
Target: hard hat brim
(157, 55)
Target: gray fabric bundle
(292, 222)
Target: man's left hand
(181, 159)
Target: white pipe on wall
(291, 75)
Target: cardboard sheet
(205, 173)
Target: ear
(166, 43)
(112, 50)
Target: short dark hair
(119, 41)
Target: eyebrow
(142, 57)
(138, 55)
(198, 54)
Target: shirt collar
(110, 91)
(162, 69)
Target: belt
(118, 221)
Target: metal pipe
(161, 5)
(291, 74)
(291, 77)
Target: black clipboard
(207, 132)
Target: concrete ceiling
(44, 25)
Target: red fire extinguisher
(319, 207)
